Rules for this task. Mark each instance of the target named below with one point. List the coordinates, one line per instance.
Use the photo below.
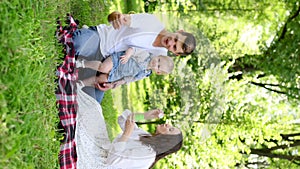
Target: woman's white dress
(94, 149)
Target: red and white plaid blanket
(66, 94)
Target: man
(179, 43)
(135, 30)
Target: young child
(125, 67)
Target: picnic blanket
(66, 94)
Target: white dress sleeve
(133, 156)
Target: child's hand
(124, 59)
(152, 114)
(129, 52)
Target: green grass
(29, 56)
(110, 113)
(131, 96)
(28, 111)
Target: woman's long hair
(162, 144)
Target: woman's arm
(149, 115)
(153, 114)
(129, 127)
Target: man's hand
(152, 114)
(103, 86)
(101, 82)
(118, 20)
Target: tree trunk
(268, 153)
(265, 86)
(286, 136)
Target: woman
(134, 148)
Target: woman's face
(167, 129)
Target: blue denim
(132, 70)
(95, 93)
(87, 46)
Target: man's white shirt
(141, 33)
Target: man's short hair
(189, 44)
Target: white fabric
(140, 55)
(136, 155)
(94, 149)
(90, 134)
(141, 33)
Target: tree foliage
(237, 97)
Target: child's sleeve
(140, 55)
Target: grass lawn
(29, 56)
(28, 112)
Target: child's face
(159, 65)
